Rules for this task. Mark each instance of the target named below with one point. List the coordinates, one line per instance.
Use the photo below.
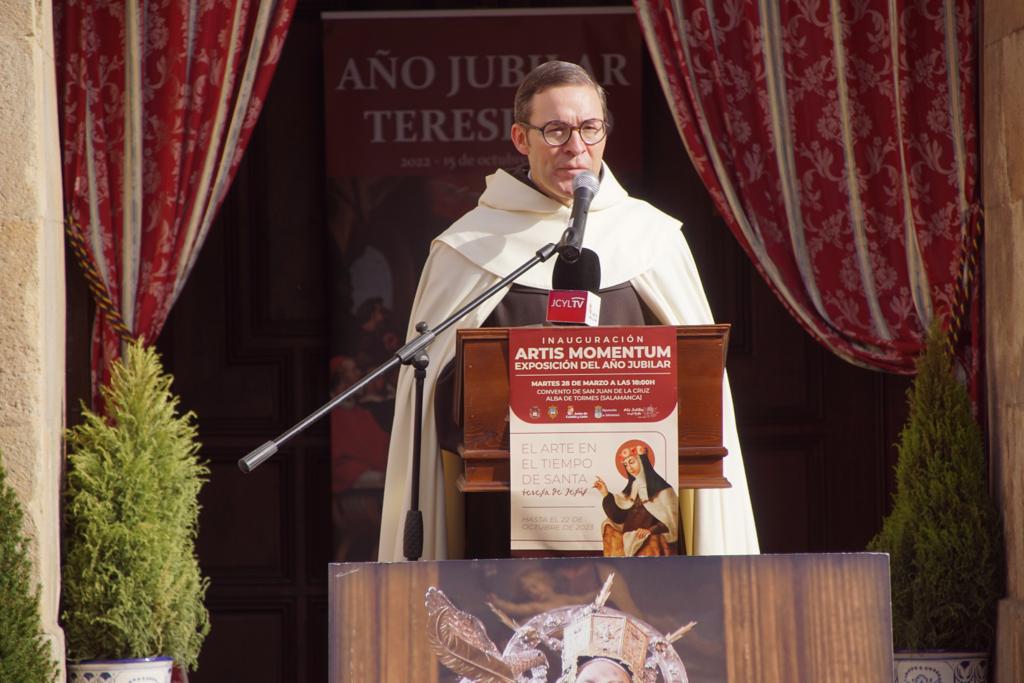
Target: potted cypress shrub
(944, 534)
(132, 587)
(24, 652)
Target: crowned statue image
(642, 520)
(596, 644)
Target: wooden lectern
(482, 407)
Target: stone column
(32, 289)
(1002, 103)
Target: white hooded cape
(636, 243)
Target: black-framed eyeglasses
(557, 133)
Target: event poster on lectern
(594, 440)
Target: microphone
(582, 273)
(584, 187)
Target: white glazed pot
(152, 670)
(939, 666)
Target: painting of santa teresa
(643, 518)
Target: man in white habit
(647, 276)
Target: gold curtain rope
(969, 246)
(96, 285)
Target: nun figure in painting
(643, 520)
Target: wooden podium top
(482, 406)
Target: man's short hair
(551, 75)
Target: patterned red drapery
(839, 141)
(157, 100)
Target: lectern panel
(482, 382)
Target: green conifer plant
(24, 652)
(944, 535)
(132, 586)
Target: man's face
(553, 168)
(602, 671)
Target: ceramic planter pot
(941, 667)
(152, 670)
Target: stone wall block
(1002, 103)
(21, 18)
(995, 188)
(1011, 86)
(1010, 642)
(18, 193)
(1010, 480)
(32, 306)
(19, 310)
(1002, 18)
(1000, 263)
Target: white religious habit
(637, 243)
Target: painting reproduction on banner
(570, 620)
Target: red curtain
(839, 141)
(158, 99)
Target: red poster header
(601, 374)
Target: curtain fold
(839, 142)
(158, 100)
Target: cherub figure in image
(539, 593)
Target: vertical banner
(594, 432)
(417, 112)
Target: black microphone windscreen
(582, 274)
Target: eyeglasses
(557, 133)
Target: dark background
(248, 345)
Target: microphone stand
(413, 353)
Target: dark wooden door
(248, 339)
(247, 344)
